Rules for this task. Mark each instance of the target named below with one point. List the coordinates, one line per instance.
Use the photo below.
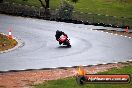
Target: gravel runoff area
(26, 79)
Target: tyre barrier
(81, 80)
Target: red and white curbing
(115, 34)
(130, 60)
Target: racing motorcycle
(64, 40)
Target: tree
(45, 4)
(65, 10)
(1, 1)
(75, 1)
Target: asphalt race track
(41, 50)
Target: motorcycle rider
(58, 34)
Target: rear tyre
(68, 44)
(81, 80)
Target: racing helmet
(58, 31)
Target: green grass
(110, 7)
(71, 82)
(53, 3)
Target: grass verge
(119, 8)
(53, 3)
(71, 82)
(6, 43)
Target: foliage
(75, 1)
(65, 10)
(1, 1)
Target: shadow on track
(64, 47)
